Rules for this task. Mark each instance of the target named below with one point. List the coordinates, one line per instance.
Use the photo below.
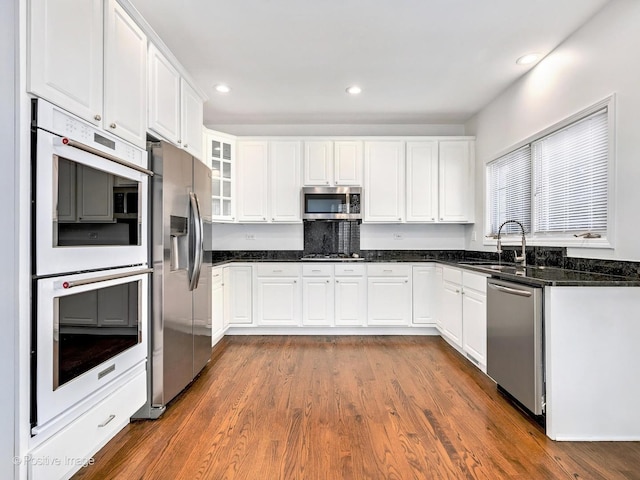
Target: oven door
(89, 329)
(78, 225)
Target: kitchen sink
(498, 267)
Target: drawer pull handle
(389, 271)
(316, 270)
(107, 421)
(277, 271)
(349, 270)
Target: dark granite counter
(481, 262)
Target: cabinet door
(125, 79)
(317, 301)
(278, 301)
(164, 96)
(220, 154)
(238, 295)
(252, 181)
(439, 287)
(348, 163)
(424, 293)
(284, 159)
(384, 181)
(191, 120)
(389, 301)
(113, 306)
(474, 335)
(318, 163)
(217, 304)
(452, 312)
(350, 301)
(66, 56)
(456, 180)
(422, 181)
(95, 195)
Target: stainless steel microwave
(331, 203)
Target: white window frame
(563, 239)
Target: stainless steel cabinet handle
(107, 421)
(97, 117)
(512, 291)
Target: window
(556, 184)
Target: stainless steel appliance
(89, 266)
(332, 203)
(180, 343)
(514, 341)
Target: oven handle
(104, 278)
(64, 141)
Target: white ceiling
(417, 61)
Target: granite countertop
(531, 275)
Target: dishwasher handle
(512, 291)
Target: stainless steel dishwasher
(514, 341)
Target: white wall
(597, 60)
(340, 130)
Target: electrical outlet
(250, 236)
(397, 236)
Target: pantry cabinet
(384, 178)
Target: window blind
(509, 190)
(571, 177)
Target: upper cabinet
(220, 153)
(125, 76)
(456, 167)
(384, 178)
(422, 181)
(329, 163)
(175, 108)
(269, 181)
(73, 46)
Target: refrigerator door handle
(198, 242)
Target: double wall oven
(89, 263)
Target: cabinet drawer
(350, 270)
(278, 270)
(83, 437)
(389, 270)
(453, 275)
(475, 280)
(324, 270)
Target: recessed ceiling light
(528, 59)
(354, 90)
(222, 88)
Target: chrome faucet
(523, 257)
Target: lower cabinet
(218, 324)
(277, 294)
(317, 301)
(389, 295)
(424, 295)
(463, 318)
(350, 295)
(238, 295)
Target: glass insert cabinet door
(221, 157)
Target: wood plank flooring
(373, 407)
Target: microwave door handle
(196, 261)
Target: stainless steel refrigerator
(180, 318)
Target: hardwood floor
(280, 407)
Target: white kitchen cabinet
(317, 301)
(278, 294)
(269, 181)
(66, 55)
(474, 312)
(384, 181)
(424, 295)
(350, 295)
(191, 118)
(220, 154)
(285, 181)
(125, 76)
(348, 163)
(329, 163)
(217, 304)
(253, 181)
(422, 181)
(456, 167)
(238, 295)
(438, 295)
(164, 96)
(388, 294)
(451, 309)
